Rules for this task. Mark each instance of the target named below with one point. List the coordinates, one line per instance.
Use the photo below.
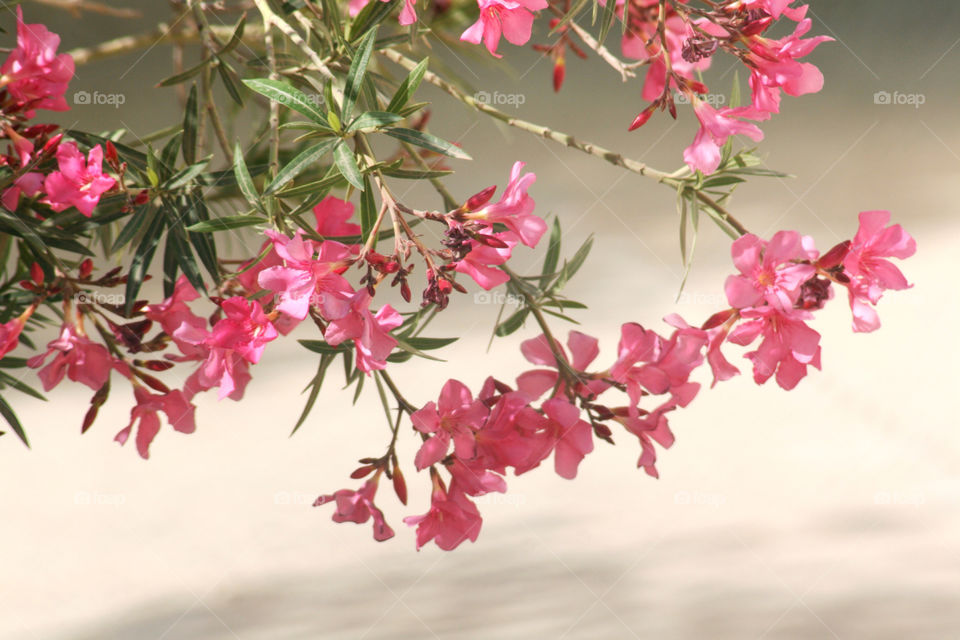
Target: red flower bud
(479, 199)
(559, 73)
(36, 273)
(642, 118)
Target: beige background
(828, 512)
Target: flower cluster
(561, 407)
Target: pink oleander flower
(75, 356)
(234, 343)
(788, 347)
(79, 183)
(776, 8)
(474, 478)
(453, 418)
(332, 216)
(769, 271)
(10, 332)
(176, 406)
(535, 383)
(370, 333)
(511, 435)
(775, 64)
(357, 506)
(716, 125)
(515, 208)
(480, 264)
(305, 281)
(649, 364)
(28, 183)
(571, 437)
(452, 518)
(175, 318)
(641, 41)
(715, 331)
(511, 18)
(33, 73)
(650, 428)
(866, 266)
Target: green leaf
(230, 81)
(289, 96)
(570, 267)
(304, 159)
(413, 174)
(409, 86)
(190, 119)
(368, 209)
(512, 323)
(130, 230)
(317, 186)
(347, 164)
(142, 259)
(185, 175)
(225, 224)
(320, 346)
(429, 344)
(314, 387)
(184, 75)
(606, 20)
(373, 120)
(236, 38)
(427, 141)
(409, 348)
(358, 69)
(7, 412)
(244, 180)
(552, 258)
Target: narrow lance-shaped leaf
(409, 86)
(289, 96)
(295, 167)
(358, 69)
(347, 164)
(190, 119)
(428, 141)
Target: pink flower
(33, 72)
(511, 435)
(332, 215)
(775, 61)
(715, 330)
(175, 318)
(511, 18)
(716, 125)
(179, 411)
(572, 437)
(537, 351)
(480, 264)
(515, 209)
(370, 333)
(452, 518)
(788, 347)
(357, 506)
(28, 183)
(306, 281)
(79, 183)
(75, 356)
(10, 333)
(651, 428)
(866, 265)
(235, 342)
(455, 417)
(474, 478)
(650, 364)
(775, 8)
(769, 270)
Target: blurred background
(832, 511)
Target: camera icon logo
(882, 97)
(81, 97)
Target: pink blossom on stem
(788, 346)
(452, 518)
(176, 406)
(716, 125)
(513, 19)
(79, 183)
(332, 216)
(357, 506)
(480, 263)
(236, 341)
(370, 333)
(515, 208)
(453, 418)
(569, 437)
(305, 281)
(75, 356)
(175, 318)
(33, 73)
(584, 350)
(869, 271)
(769, 271)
